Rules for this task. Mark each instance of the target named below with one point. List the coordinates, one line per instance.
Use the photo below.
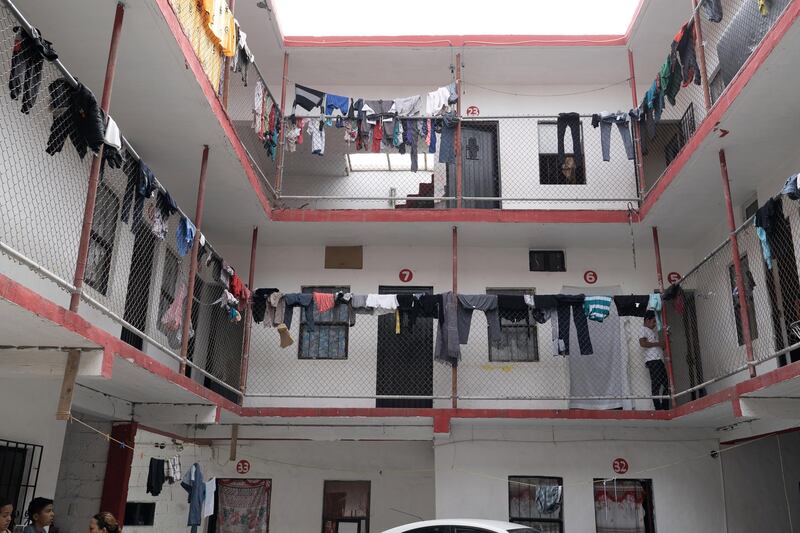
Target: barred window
(551, 170)
(519, 339)
(330, 337)
(169, 281)
(101, 239)
(536, 502)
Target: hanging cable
(631, 210)
(573, 93)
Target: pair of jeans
(297, 299)
(621, 120)
(447, 150)
(573, 304)
(659, 383)
(573, 121)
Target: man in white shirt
(654, 360)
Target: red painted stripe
(424, 41)
(724, 102)
(108, 364)
(48, 310)
(451, 215)
(773, 377)
(216, 106)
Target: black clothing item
(166, 204)
(573, 303)
(639, 116)
(409, 310)
(573, 121)
(512, 307)
(155, 476)
(80, 118)
(713, 10)
(659, 383)
(141, 184)
(27, 58)
(429, 306)
(259, 306)
(543, 306)
(683, 48)
(768, 214)
(631, 305)
(671, 292)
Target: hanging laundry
(258, 103)
(160, 227)
(112, 137)
(766, 219)
(382, 304)
(77, 116)
(237, 287)
(597, 308)
(174, 469)
(245, 57)
(573, 122)
(562, 305)
(276, 308)
(155, 476)
(377, 136)
(763, 7)
(453, 93)
(654, 304)
(141, 184)
(306, 97)
(654, 101)
(482, 302)
(173, 317)
(166, 205)
(410, 106)
(192, 483)
(350, 132)
(324, 301)
(436, 101)
(293, 133)
(382, 110)
(412, 138)
(447, 347)
(298, 299)
(429, 306)
(674, 293)
(432, 137)
(605, 121)
(208, 503)
(27, 58)
(259, 305)
(285, 336)
(790, 188)
(185, 236)
(631, 305)
(334, 102)
(713, 10)
(683, 49)
(317, 132)
(447, 151)
(670, 79)
(407, 311)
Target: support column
(744, 313)
(637, 132)
(459, 163)
(667, 341)
(454, 370)
(282, 133)
(248, 322)
(198, 224)
(700, 52)
(74, 357)
(118, 470)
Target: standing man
(654, 360)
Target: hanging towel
(306, 97)
(654, 304)
(631, 305)
(597, 308)
(382, 304)
(324, 301)
(208, 504)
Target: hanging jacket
(78, 117)
(27, 57)
(192, 482)
(683, 49)
(670, 80)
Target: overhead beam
(165, 413)
(36, 363)
(782, 408)
(97, 404)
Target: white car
(462, 526)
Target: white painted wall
(761, 479)
(473, 465)
(80, 478)
(36, 425)
(401, 476)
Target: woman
(6, 514)
(103, 523)
(40, 515)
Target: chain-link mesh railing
(135, 275)
(388, 361)
(209, 27)
(707, 332)
(507, 162)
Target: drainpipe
(74, 357)
(744, 313)
(198, 223)
(667, 341)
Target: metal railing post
(459, 163)
(454, 370)
(198, 224)
(248, 315)
(282, 133)
(667, 341)
(74, 357)
(637, 132)
(744, 311)
(700, 51)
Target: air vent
(547, 261)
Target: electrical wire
(573, 93)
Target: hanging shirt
(306, 97)
(597, 308)
(323, 301)
(436, 100)
(317, 133)
(408, 107)
(377, 135)
(382, 304)
(333, 102)
(208, 503)
(185, 236)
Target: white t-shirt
(655, 353)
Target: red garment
(271, 123)
(236, 286)
(323, 301)
(377, 135)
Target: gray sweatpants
(621, 120)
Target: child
(103, 523)
(6, 513)
(40, 515)
(654, 360)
